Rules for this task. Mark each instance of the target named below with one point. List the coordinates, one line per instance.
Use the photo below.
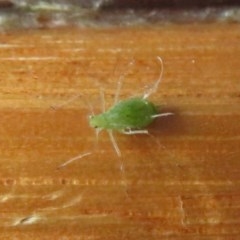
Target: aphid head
(97, 121)
(92, 121)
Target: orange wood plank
(182, 182)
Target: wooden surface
(182, 182)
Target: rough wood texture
(180, 183)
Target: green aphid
(129, 116)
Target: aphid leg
(119, 83)
(102, 100)
(122, 169)
(73, 159)
(162, 115)
(132, 132)
(97, 131)
(116, 98)
(114, 143)
(81, 155)
(156, 84)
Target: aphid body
(133, 113)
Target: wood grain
(182, 182)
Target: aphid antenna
(90, 107)
(156, 84)
(74, 98)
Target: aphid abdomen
(133, 113)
